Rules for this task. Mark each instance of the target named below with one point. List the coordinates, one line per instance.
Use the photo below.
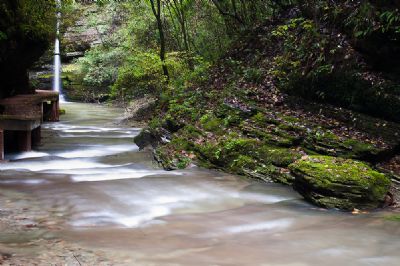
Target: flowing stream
(111, 197)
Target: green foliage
(99, 66)
(3, 36)
(368, 19)
(141, 74)
(26, 29)
(252, 75)
(308, 57)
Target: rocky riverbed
(31, 235)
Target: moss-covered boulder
(339, 183)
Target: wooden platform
(22, 115)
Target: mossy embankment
(239, 119)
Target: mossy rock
(277, 137)
(226, 151)
(211, 123)
(278, 156)
(327, 143)
(170, 159)
(339, 183)
(276, 174)
(242, 164)
(147, 137)
(235, 110)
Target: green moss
(360, 149)
(277, 137)
(335, 202)
(171, 159)
(210, 152)
(183, 162)
(325, 170)
(326, 142)
(328, 181)
(45, 76)
(241, 145)
(259, 119)
(164, 158)
(290, 119)
(155, 123)
(262, 119)
(275, 174)
(191, 131)
(278, 156)
(290, 127)
(180, 143)
(233, 115)
(211, 123)
(225, 152)
(393, 217)
(242, 163)
(231, 120)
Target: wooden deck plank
(26, 106)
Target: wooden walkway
(21, 117)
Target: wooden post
(1, 145)
(25, 140)
(36, 136)
(55, 110)
(42, 114)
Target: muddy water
(106, 195)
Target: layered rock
(340, 183)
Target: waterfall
(57, 86)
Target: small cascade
(57, 86)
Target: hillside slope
(244, 115)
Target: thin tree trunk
(157, 13)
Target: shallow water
(110, 196)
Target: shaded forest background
(341, 52)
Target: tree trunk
(157, 13)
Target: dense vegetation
(342, 52)
(26, 28)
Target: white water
(57, 86)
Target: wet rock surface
(140, 110)
(82, 35)
(340, 183)
(31, 235)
